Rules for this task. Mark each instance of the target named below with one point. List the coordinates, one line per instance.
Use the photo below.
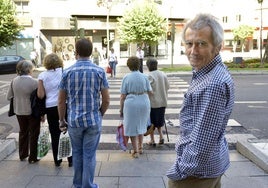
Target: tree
(108, 5)
(142, 24)
(9, 27)
(242, 33)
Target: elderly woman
(135, 104)
(160, 86)
(20, 89)
(48, 83)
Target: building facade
(47, 25)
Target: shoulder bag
(11, 105)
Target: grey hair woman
(24, 67)
(20, 89)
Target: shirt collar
(206, 69)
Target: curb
(245, 146)
(8, 146)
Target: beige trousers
(193, 182)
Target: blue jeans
(113, 66)
(85, 141)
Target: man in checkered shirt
(202, 150)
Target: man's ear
(218, 48)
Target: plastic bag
(121, 139)
(43, 144)
(65, 146)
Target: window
(225, 19)
(238, 18)
(255, 44)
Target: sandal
(161, 141)
(151, 143)
(149, 130)
(135, 154)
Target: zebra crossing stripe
(111, 119)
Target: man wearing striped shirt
(84, 87)
(202, 150)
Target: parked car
(8, 63)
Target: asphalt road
(251, 104)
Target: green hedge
(248, 63)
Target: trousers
(53, 123)
(193, 182)
(28, 136)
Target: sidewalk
(116, 169)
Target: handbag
(121, 139)
(11, 108)
(43, 144)
(108, 69)
(65, 146)
(11, 104)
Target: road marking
(174, 99)
(4, 109)
(176, 123)
(251, 106)
(250, 102)
(5, 85)
(260, 84)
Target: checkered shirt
(83, 83)
(202, 150)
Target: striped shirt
(202, 150)
(83, 83)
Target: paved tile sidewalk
(116, 169)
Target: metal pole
(107, 30)
(166, 130)
(261, 45)
(172, 41)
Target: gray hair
(204, 20)
(24, 67)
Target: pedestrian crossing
(175, 98)
(112, 119)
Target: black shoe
(58, 163)
(23, 159)
(33, 161)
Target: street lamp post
(261, 45)
(108, 5)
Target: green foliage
(9, 27)
(242, 32)
(177, 68)
(141, 24)
(246, 64)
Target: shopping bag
(108, 69)
(43, 144)
(121, 139)
(65, 146)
